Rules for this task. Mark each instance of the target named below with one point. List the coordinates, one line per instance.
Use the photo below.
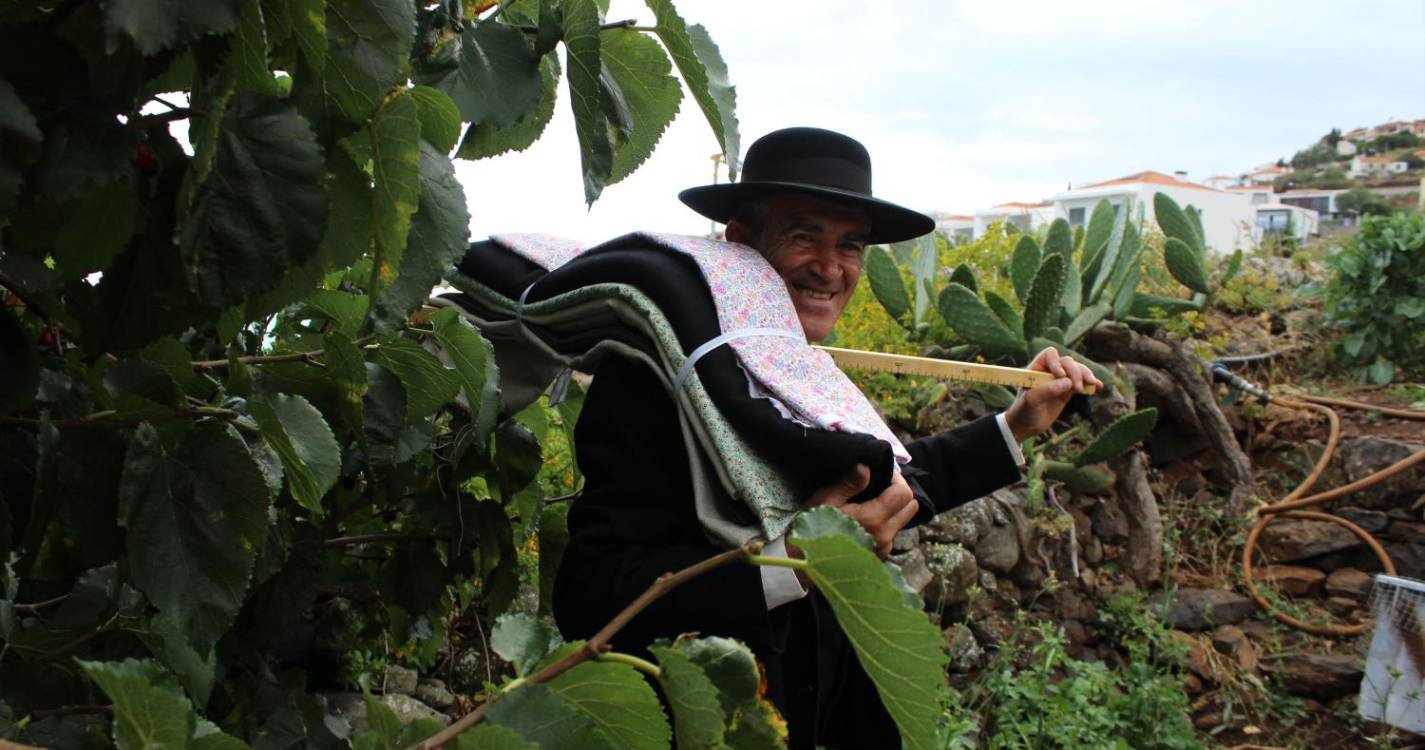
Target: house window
(1259, 198)
(1076, 217)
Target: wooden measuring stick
(1013, 377)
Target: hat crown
(811, 156)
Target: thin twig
(273, 359)
(600, 642)
(388, 536)
(37, 606)
(172, 115)
(104, 420)
(45, 713)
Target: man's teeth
(814, 293)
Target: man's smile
(817, 294)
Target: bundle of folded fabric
(766, 418)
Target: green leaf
(489, 71)
(1071, 300)
(1353, 343)
(1410, 307)
(247, 58)
(155, 25)
(347, 370)
(1234, 264)
(1023, 265)
(1126, 432)
(262, 209)
(440, 118)
(586, 95)
(395, 163)
(345, 310)
(1043, 303)
(524, 641)
(474, 362)
(1085, 321)
(1381, 371)
(150, 710)
(1175, 223)
(311, 458)
(427, 383)
(540, 714)
(486, 139)
(976, 323)
(91, 229)
(309, 26)
(900, 649)
(751, 722)
(618, 701)
(886, 282)
(487, 736)
(368, 52)
(383, 727)
(173, 358)
(20, 376)
(20, 139)
(194, 517)
(1185, 265)
(703, 70)
(697, 714)
(641, 69)
(439, 237)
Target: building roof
(957, 217)
(1273, 169)
(1251, 188)
(1019, 204)
(1375, 159)
(1311, 191)
(1150, 177)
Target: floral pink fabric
(748, 293)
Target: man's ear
(738, 232)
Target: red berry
(145, 159)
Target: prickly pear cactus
(1005, 311)
(1175, 223)
(886, 282)
(976, 323)
(1185, 265)
(1042, 306)
(1023, 265)
(964, 276)
(1123, 434)
(1083, 480)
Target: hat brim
(889, 222)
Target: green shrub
(1376, 299)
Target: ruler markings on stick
(940, 368)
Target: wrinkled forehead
(801, 208)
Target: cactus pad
(1085, 321)
(1041, 307)
(1185, 265)
(1174, 222)
(965, 276)
(1123, 434)
(1060, 239)
(886, 282)
(976, 323)
(1023, 265)
(1082, 480)
(1145, 304)
(1005, 311)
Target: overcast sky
(964, 105)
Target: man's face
(816, 245)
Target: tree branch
(177, 113)
(391, 536)
(45, 713)
(596, 646)
(273, 359)
(102, 419)
(37, 606)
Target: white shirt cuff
(779, 585)
(1014, 449)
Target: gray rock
(1200, 609)
(1406, 531)
(913, 568)
(348, 709)
(1367, 455)
(1321, 676)
(965, 653)
(906, 540)
(998, 549)
(953, 571)
(1294, 539)
(962, 525)
(400, 680)
(433, 693)
(1373, 521)
(1109, 524)
(1350, 583)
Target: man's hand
(1036, 409)
(882, 516)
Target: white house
(1345, 147)
(1227, 216)
(1281, 218)
(956, 227)
(1323, 202)
(1221, 181)
(1256, 194)
(1027, 216)
(1375, 166)
(1267, 174)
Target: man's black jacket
(635, 520)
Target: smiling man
(804, 203)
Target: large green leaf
(1096, 236)
(475, 363)
(247, 57)
(586, 95)
(395, 164)
(439, 236)
(618, 701)
(309, 26)
(697, 713)
(1085, 321)
(1060, 239)
(898, 646)
(195, 515)
(702, 68)
(524, 641)
(490, 71)
(540, 714)
(1004, 311)
(641, 69)
(155, 25)
(347, 370)
(345, 310)
(886, 282)
(485, 139)
(83, 233)
(368, 52)
(311, 458)
(440, 119)
(489, 736)
(150, 711)
(383, 728)
(428, 384)
(751, 722)
(1126, 432)
(20, 137)
(262, 209)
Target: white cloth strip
(717, 341)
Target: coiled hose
(1293, 504)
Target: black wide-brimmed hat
(813, 161)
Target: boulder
(914, 569)
(1296, 580)
(349, 709)
(1350, 583)
(433, 693)
(1200, 609)
(1340, 606)
(398, 679)
(1372, 521)
(950, 572)
(906, 540)
(998, 548)
(1322, 676)
(1406, 531)
(965, 653)
(1231, 641)
(1367, 455)
(1291, 539)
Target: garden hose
(1292, 505)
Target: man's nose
(823, 264)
